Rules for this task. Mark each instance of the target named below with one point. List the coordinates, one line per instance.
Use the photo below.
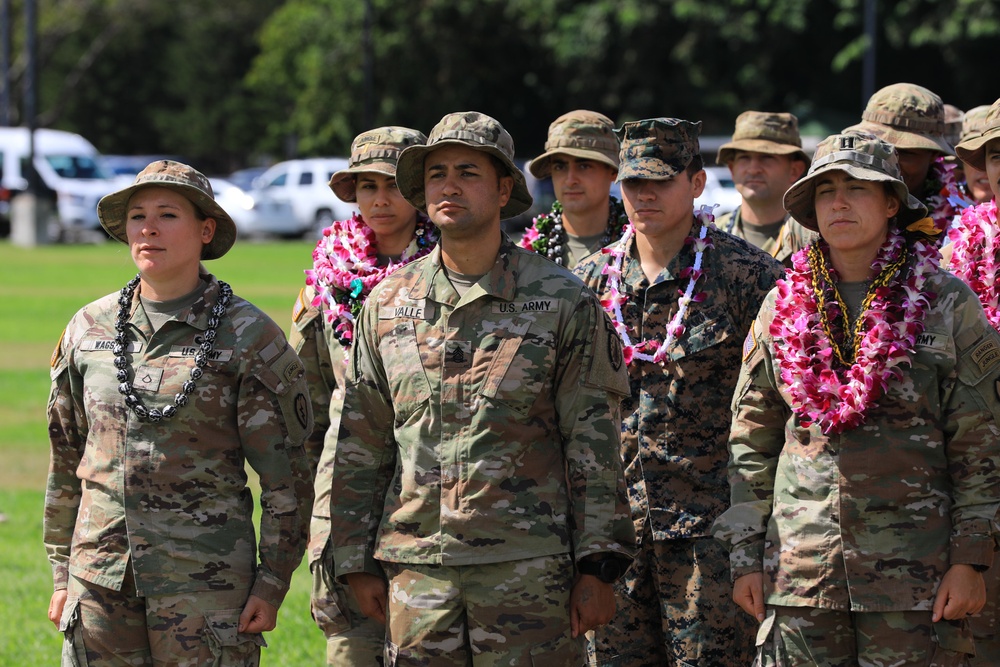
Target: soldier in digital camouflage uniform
(477, 464)
(912, 119)
(321, 335)
(675, 601)
(863, 493)
(581, 157)
(160, 395)
(979, 149)
(765, 157)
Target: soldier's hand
(962, 593)
(748, 593)
(56, 604)
(371, 593)
(258, 616)
(591, 604)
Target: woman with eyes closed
(161, 393)
(864, 440)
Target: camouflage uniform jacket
(870, 519)
(677, 416)
(325, 361)
(170, 497)
(792, 237)
(480, 429)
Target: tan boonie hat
(973, 149)
(974, 122)
(908, 116)
(862, 156)
(581, 134)
(373, 151)
(472, 130)
(953, 118)
(657, 148)
(764, 132)
(113, 208)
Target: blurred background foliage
(232, 84)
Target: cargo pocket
(74, 653)
(561, 650)
(229, 647)
(953, 644)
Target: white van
(305, 185)
(68, 170)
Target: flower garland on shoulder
(976, 256)
(834, 374)
(547, 235)
(345, 268)
(944, 194)
(652, 350)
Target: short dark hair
(696, 164)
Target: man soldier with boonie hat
(477, 473)
(581, 157)
(912, 119)
(765, 157)
(682, 295)
(348, 260)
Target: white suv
(304, 184)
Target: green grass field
(40, 289)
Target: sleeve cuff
(269, 588)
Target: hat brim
(648, 168)
(902, 139)
(727, 151)
(112, 211)
(344, 182)
(410, 176)
(541, 166)
(973, 150)
(799, 200)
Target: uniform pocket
(328, 602)
(954, 645)
(404, 370)
(74, 653)
(231, 648)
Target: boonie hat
(906, 115)
(188, 181)
(953, 119)
(764, 132)
(581, 134)
(974, 122)
(373, 151)
(472, 130)
(657, 148)
(862, 156)
(973, 149)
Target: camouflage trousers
(675, 607)
(791, 636)
(108, 627)
(352, 640)
(984, 624)
(513, 613)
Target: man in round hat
(581, 157)
(765, 158)
(682, 295)
(476, 474)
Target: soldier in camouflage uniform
(581, 157)
(160, 395)
(977, 183)
(392, 233)
(765, 157)
(863, 465)
(477, 464)
(675, 601)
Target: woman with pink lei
(350, 258)
(864, 440)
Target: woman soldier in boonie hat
(866, 408)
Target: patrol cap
(181, 178)
(581, 134)
(373, 151)
(657, 148)
(908, 116)
(473, 130)
(862, 156)
(973, 149)
(764, 132)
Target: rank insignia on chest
(458, 353)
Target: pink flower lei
(651, 350)
(945, 193)
(345, 268)
(976, 243)
(810, 317)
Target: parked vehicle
(245, 178)
(68, 169)
(719, 189)
(255, 216)
(304, 184)
(130, 165)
